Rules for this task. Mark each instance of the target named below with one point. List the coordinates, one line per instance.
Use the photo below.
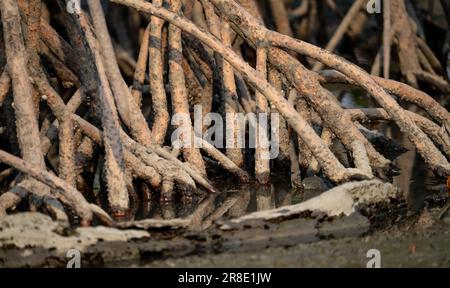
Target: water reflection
(236, 200)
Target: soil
(406, 246)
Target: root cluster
(88, 94)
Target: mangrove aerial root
(84, 93)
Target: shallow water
(247, 198)
(421, 189)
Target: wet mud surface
(305, 239)
(407, 246)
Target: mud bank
(34, 240)
(410, 245)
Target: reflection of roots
(191, 61)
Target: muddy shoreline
(34, 240)
(405, 245)
(310, 241)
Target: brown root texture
(85, 93)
